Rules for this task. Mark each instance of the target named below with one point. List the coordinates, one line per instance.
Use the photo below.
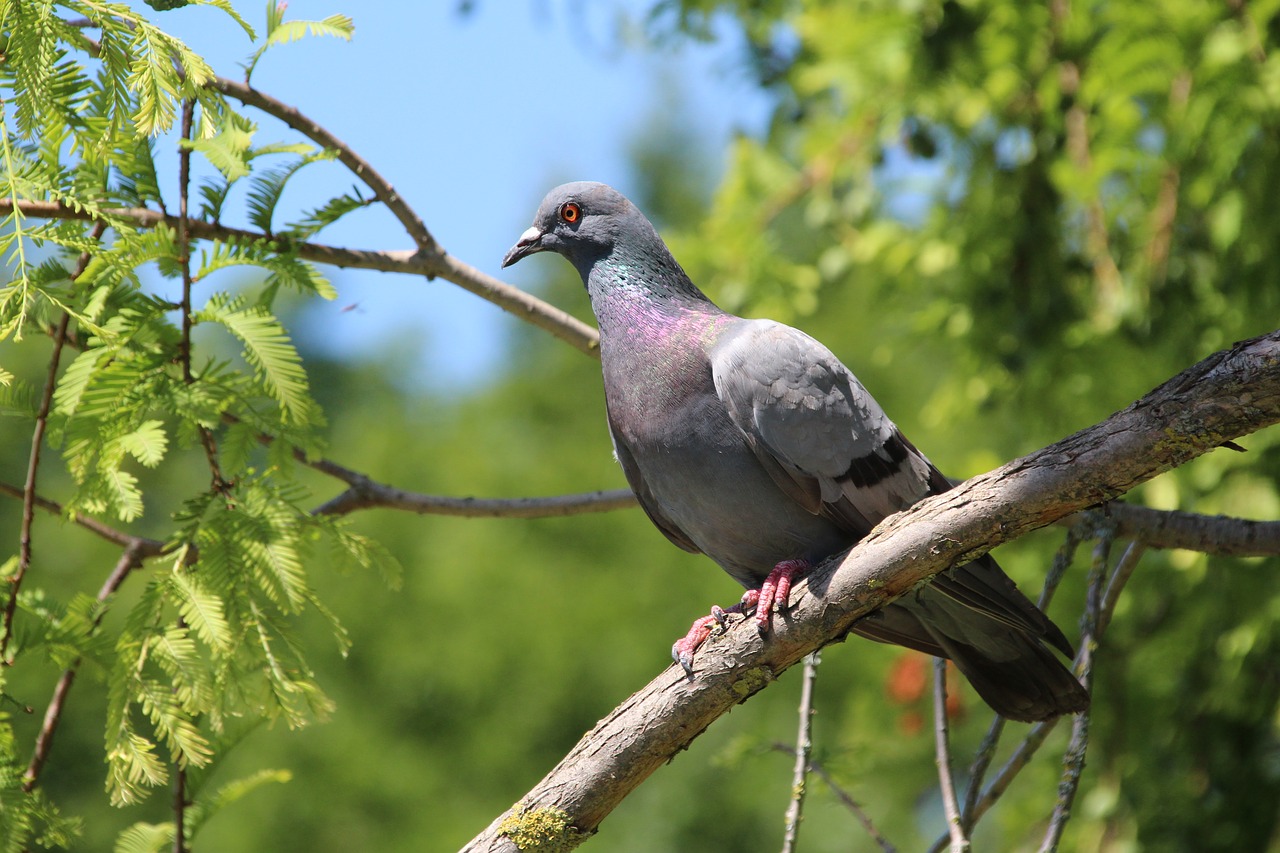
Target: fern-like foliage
(208, 647)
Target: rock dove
(748, 441)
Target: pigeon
(748, 441)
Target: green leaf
(203, 610)
(269, 185)
(280, 31)
(330, 212)
(337, 26)
(228, 148)
(268, 349)
(147, 443)
(236, 790)
(123, 493)
(146, 837)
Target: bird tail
(993, 643)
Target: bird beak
(529, 242)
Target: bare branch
(942, 751)
(369, 494)
(846, 800)
(1227, 395)
(529, 308)
(804, 747)
(1209, 534)
(852, 805)
(151, 547)
(1073, 758)
(294, 118)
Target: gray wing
(827, 443)
(822, 437)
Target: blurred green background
(1010, 220)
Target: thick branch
(1229, 394)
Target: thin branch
(29, 498)
(1073, 757)
(804, 748)
(152, 547)
(180, 805)
(130, 559)
(845, 798)
(370, 494)
(294, 118)
(1021, 757)
(185, 308)
(1035, 738)
(1119, 577)
(942, 751)
(1230, 394)
(529, 308)
(987, 749)
(29, 489)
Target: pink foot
(775, 589)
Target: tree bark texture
(1230, 394)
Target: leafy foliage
(1011, 218)
(139, 404)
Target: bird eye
(570, 212)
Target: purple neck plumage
(643, 287)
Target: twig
(1119, 577)
(1092, 523)
(529, 308)
(1073, 758)
(29, 499)
(105, 531)
(845, 798)
(804, 748)
(185, 309)
(987, 749)
(942, 750)
(29, 490)
(294, 118)
(180, 811)
(370, 494)
(130, 559)
(852, 805)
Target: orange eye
(570, 212)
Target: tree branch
(942, 753)
(529, 308)
(1229, 394)
(381, 187)
(804, 748)
(130, 559)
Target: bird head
(580, 221)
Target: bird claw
(775, 589)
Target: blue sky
(472, 118)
